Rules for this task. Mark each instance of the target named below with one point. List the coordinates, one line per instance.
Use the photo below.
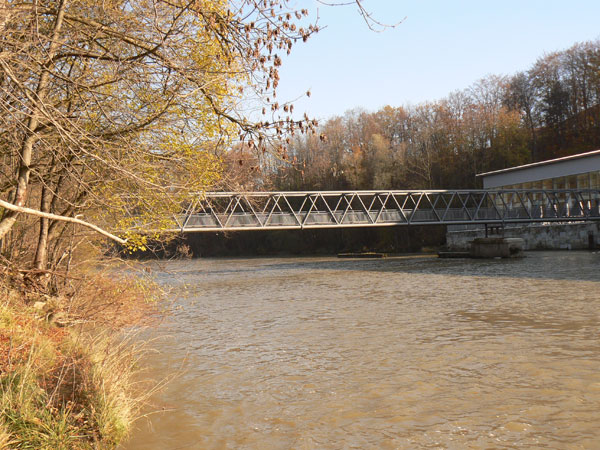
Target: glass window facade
(589, 180)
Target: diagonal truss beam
(231, 211)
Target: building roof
(541, 163)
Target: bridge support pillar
(494, 229)
(497, 247)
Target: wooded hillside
(548, 111)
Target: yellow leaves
(166, 178)
(135, 242)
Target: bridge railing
(230, 211)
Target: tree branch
(35, 212)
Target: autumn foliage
(548, 111)
(117, 112)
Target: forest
(548, 111)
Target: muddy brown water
(414, 352)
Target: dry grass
(116, 302)
(63, 383)
(5, 441)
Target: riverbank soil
(63, 383)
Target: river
(407, 352)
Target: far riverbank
(394, 240)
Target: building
(571, 172)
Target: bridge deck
(235, 211)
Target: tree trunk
(26, 150)
(41, 252)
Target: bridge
(247, 211)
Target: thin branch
(366, 15)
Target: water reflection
(394, 353)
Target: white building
(571, 172)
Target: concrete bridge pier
(494, 229)
(497, 247)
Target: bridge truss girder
(234, 211)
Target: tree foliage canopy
(111, 110)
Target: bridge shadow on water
(551, 265)
(557, 265)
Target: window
(595, 180)
(583, 181)
(547, 184)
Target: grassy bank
(65, 379)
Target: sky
(441, 46)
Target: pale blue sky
(441, 46)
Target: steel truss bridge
(235, 211)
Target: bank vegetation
(113, 115)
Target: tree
(520, 96)
(111, 111)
